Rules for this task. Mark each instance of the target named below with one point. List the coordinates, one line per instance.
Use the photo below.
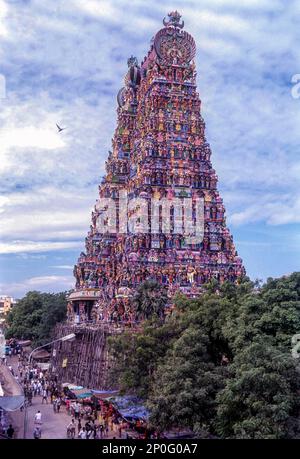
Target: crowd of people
(90, 418)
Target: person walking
(71, 429)
(10, 431)
(79, 427)
(58, 404)
(101, 430)
(38, 418)
(82, 434)
(37, 433)
(77, 410)
(54, 403)
(44, 396)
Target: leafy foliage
(221, 364)
(261, 399)
(35, 316)
(137, 355)
(150, 300)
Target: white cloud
(35, 246)
(63, 266)
(64, 62)
(100, 8)
(49, 284)
(219, 22)
(30, 137)
(3, 15)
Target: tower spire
(174, 20)
(160, 163)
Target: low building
(6, 304)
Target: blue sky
(64, 62)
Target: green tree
(176, 365)
(261, 400)
(150, 300)
(136, 355)
(272, 312)
(35, 316)
(186, 384)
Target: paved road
(11, 387)
(54, 425)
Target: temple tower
(159, 214)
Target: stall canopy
(104, 394)
(12, 403)
(72, 386)
(44, 366)
(130, 407)
(41, 354)
(79, 391)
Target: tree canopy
(35, 316)
(220, 364)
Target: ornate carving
(174, 46)
(174, 20)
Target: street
(54, 425)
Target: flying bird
(59, 128)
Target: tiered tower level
(159, 153)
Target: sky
(64, 62)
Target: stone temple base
(84, 361)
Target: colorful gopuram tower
(159, 154)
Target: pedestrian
(38, 418)
(44, 396)
(55, 405)
(77, 410)
(101, 430)
(39, 388)
(71, 429)
(94, 431)
(68, 406)
(29, 396)
(10, 431)
(88, 429)
(37, 433)
(79, 427)
(82, 434)
(58, 404)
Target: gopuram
(159, 188)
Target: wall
(88, 360)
